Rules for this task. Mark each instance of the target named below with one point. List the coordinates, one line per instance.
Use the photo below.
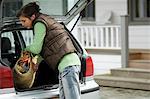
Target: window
(7, 48)
(61, 10)
(88, 14)
(53, 7)
(10, 7)
(139, 11)
(27, 37)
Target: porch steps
(135, 76)
(139, 54)
(131, 72)
(140, 63)
(126, 78)
(139, 59)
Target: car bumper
(89, 90)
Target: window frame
(88, 13)
(132, 14)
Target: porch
(103, 43)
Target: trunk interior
(45, 75)
(46, 78)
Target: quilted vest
(56, 43)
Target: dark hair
(29, 9)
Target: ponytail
(29, 9)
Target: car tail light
(89, 67)
(6, 78)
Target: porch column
(124, 41)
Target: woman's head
(28, 13)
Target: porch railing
(99, 37)
(91, 37)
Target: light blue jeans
(69, 83)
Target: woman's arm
(40, 32)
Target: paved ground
(120, 93)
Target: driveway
(121, 93)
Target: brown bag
(24, 71)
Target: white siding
(139, 37)
(115, 7)
(104, 62)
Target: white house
(99, 30)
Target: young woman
(53, 44)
